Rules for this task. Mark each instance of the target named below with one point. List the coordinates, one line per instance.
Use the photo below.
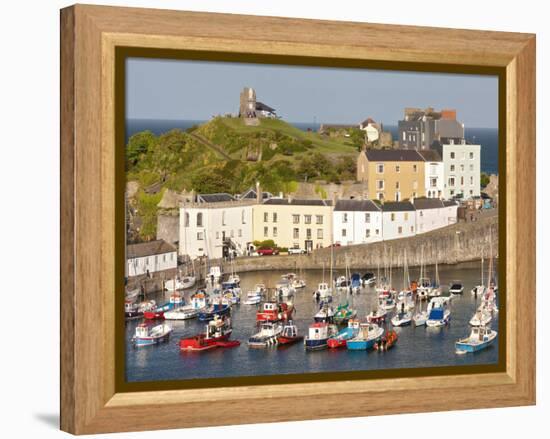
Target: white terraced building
(462, 171)
(398, 220)
(356, 222)
(150, 257)
(432, 214)
(215, 225)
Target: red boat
(274, 312)
(289, 335)
(216, 335)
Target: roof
(263, 107)
(251, 194)
(286, 201)
(214, 198)
(150, 248)
(430, 155)
(449, 203)
(397, 206)
(427, 203)
(393, 155)
(356, 205)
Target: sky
(197, 90)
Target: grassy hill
(225, 155)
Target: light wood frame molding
(89, 36)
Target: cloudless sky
(197, 90)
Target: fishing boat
(267, 336)
(481, 337)
(325, 314)
(284, 288)
(386, 342)
(253, 298)
(146, 336)
(318, 335)
(356, 283)
(323, 291)
(214, 275)
(198, 303)
(177, 299)
(219, 307)
(339, 340)
(289, 334)
(136, 310)
(233, 296)
(343, 314)
(275, 311)
(386, 303)
(216, 334)
(368, 279)
(456, 287)
(481, 317)
(439, 313)
(377, 316)
(158, 312)
(367, 336)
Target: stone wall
(457, 243)
(168, 227)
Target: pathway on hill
(210, 145)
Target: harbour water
(416, 347)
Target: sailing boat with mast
(478, 290)
(435, 291)
(403, 317)
(424, 283)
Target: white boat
(386, 303)
(424, 287)
(267, 336)
(405, 300)
(132, 294)
(439, 313)
(298, 283)
(456, 287)
(420, 318)
(402, 319)
(481, 317)
(323, 291)
(284, 288)
(180, 284)
(214, 275)
(325, 314)
(341, 282)
(198, 303)
(144, 336)
(480, 338)
(253, 298)
(436, 290)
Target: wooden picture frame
(90, 37)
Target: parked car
(267, 251)
(336, 244)
(296, 251)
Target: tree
(484, 180)
(138, 145)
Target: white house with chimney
(356, 222)
(433, 213)
(398, 220)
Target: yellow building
(304, 224)
(392, 174)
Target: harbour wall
(461, 242)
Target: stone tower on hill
(247, 108)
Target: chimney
(289, 198)
(258, 193)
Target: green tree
(138, 146)
(484, 180)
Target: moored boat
(199, 301)
(318, 335)
(147, 336)
(339, 340)
(267, 336)
(217, 333)
(275, 311)
(344, 313)
(368, 279)
(481, 337)
(402, 319)
(325, 314)
(158, 312)
(220, 307)
(289, 334)
(482, 317)
(439, 313)
(386, 342)
(377, 316)
(367, 336)
(456, 288)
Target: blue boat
(220, 309)
(339, 340)
(146, 336)
(368, 335)
(355, 282)
(480, 338)
(318, 335)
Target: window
(186, 219)
(380, 168)
(223, 218)
(319, 233)
(266, 231)
(307, 219)
(397, 196)
(452, 193)
(344, 231)
(380, 196)
(396, 185)
(452, 168)
(367, 233)
(380, 185)
(164, 258)
(406, 216)
(308, 233)
(367, 217)
(471, 180)
(397, 168)
(393, 216)
(471, 156)
(243, 219)
(462, 181)
(319, 219)
(461, 168)
(199, 219)
(240, 233)
(451, 181)
(452, 155)
(344, 217)
(471, 167)
(200, 236)
(377, 231)
(421, 213)
(274, 217)
(412, 229)
(471, 192)
(296, 233)
(266, 217)
(415, 168)
(400, 230)
(296, 219)
(274, 232)
(414, 195)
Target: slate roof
(430, 155)
(393, 155)
(150, 248)
(286, 202)
(356, 206)
(214, 198)
(251, 194)
(263, 107)
(449, 203)
(397, 206)
(427, 203)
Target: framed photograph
(284, 216)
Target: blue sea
(486, 137)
